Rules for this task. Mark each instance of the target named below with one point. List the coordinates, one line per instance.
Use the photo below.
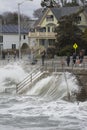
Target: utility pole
(19, 26)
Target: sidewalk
(57, 62)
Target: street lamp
(19, 26)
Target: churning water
(43, 107)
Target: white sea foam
(33, 112)
(11, 73)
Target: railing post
(84, 65)
(72, 64)
(53, 67)
(31, 78)
(46, 65)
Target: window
(51, 42)
(48, 29)
(42, 29)
(13, 46)
(78, 19)
(42, 42)
(24, 37)
(49, 18)
(1, 46)
(1, 39)
(53, 29)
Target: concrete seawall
(81, 75)
(82, 79)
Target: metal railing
(31, 77)
(59, 64)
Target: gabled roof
(37, 21)
(28, 23)
(59, 12)
(12, 29)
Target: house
(43, 31)
(9, 38)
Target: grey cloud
(27, 7)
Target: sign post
(75, 46)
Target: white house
(9, 38)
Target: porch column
(46, 45)
(38, 45)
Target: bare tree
(12, 18)
(38, 12)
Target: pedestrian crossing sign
(75, 46)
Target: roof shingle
(12, 29)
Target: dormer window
(49, 18)
(78, 19)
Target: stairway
(30, 80)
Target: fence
(59, 63)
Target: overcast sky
(26, 8)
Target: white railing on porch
(50, 35)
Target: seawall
(82, 79)
(81, 75)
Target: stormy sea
(44, 106)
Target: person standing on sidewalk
(68, 60)
(43, 56)
(81, 56)
(74, 58)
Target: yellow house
(43, 31)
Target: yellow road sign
(75, 46)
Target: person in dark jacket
(74, 58)
(43, 56)
(68, 60)
(81, 56)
